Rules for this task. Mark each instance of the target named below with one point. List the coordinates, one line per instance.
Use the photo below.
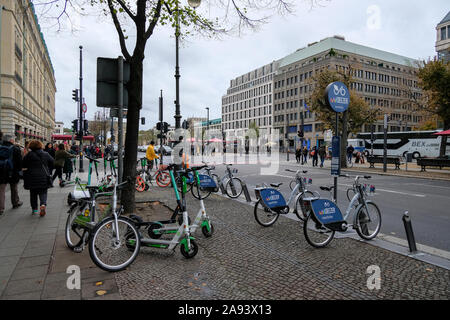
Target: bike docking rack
(410, 235)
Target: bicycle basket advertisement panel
(326, 211)
(208, 183)
(272, 198)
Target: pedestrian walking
(350, 151)
(60, 158)
(151, 155)
(10, 171)
(298, 154)
(36, 176)
(68, 164)
(322, 154)
(49, 149)
(315, 156)
(25, 148)
(305, 155)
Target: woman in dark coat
(36, 175)
(68, 164)
(49, 149)
(60, 158)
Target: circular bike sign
(337, 96)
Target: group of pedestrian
(35, 165)
(301, 155)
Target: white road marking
(392, 191)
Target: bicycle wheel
(180, 184)
(74, 232)
(196, 190)
(265, 217)
(111, 254)
(140, 184)
(315, 233)
(368, 221)
(163, 179)
(350, 194)
(300, 209)
(233, 188)
(292, 184)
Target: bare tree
(145, 16)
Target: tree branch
(123, 45)
(155, 19)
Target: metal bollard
(409, 232)
(246, 193)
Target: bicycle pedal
(78, 249)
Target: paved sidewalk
(241, 260)
(34, 257)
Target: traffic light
(142, 121)
(165, 127)
(300, 134)
(75, 95)
(158, 126)
(185, 125)
(75, 125)
(86, 126)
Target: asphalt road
(427, 201)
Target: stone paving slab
(241, 261)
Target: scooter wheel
(192, 252)
(151, 230)
(207, 233)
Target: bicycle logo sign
(337, 96)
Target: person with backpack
(36, 175)
(10, 171)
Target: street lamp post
(194, 4)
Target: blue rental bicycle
(324, 217)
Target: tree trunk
(443, 147)
(131, 141)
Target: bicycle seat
(326, 188)
(276, 185)
(305, 171)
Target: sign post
(337, 97)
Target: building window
(443, 33)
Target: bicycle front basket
(207, 183)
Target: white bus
(419, 143)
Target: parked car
(167, 151)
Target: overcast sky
(405, 27)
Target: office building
(249, 99)
(385, 80)
(443, 39)
(27, 78)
